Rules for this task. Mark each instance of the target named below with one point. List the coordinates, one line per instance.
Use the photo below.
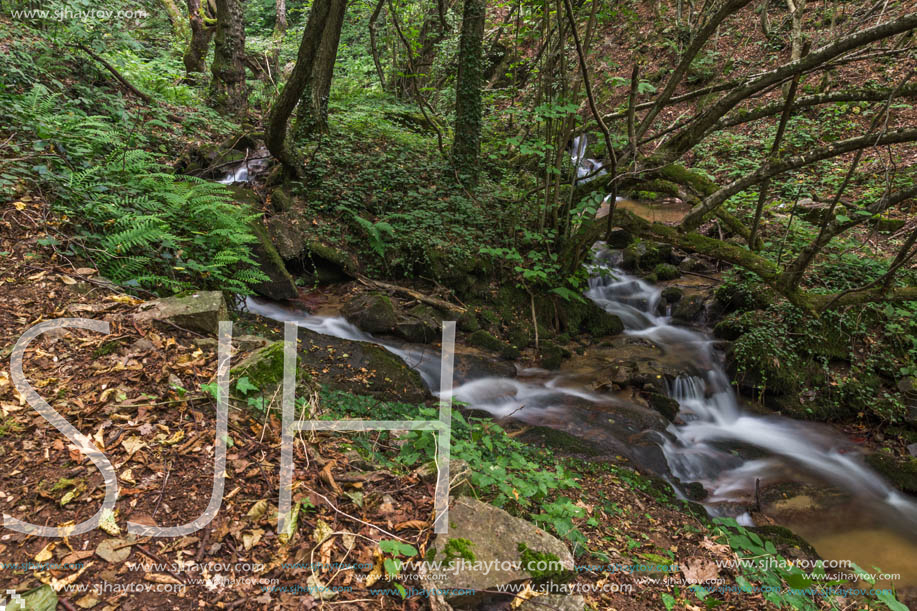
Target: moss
(541, 566)
(734, 326)
(666, 271)
(483, 339)
(106, 348)
(672, 294)
(683, 176)
(620, 238)
(561, 441)
(901, 472)
(459, 548)
(784, 538)
(468, 322)
(666, 406)
(552, 355)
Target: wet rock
(663, 404)
(558, 440)
(421, 325)
(689, 310)
(372, 312)
(279, 285)
(672, 294)
(789, 544)
(360, 368)
(900, 471)
(482, 533)
(695, 491)
(484, 340)
(552, 355)
(468, 367)
(201, 311)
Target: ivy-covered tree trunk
(312, 114)
(201, 34)
(280, 28)
(228, 92)
(466, 147)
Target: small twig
(116, 74)
(355, 519)
(162, 492)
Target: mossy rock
(264, 369)
(689, 310)
(587, 317)
(666, 271)
(666, 406)
(672, 294)
(787, 542)
(555, 439)
(900, 471)
(695, 491)
(552, 355)
(734, 326)
(468, 322)
(742, 297)
(483, 339)
(279, 285)
(619, 238)
(373, 313)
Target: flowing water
(715, 441)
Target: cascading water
(711, 419)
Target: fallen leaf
(114, 551)
(45, 554)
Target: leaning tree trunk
(312, 114)
(201, 33)
(179, 27)
(227, 88)
(276, 132)
(466, 146)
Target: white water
(710, 417)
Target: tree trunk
(179, 26)
(466, 147)
(276, 133)
(228, 92)
(201, 33)
(280, 28)
(312, 114)
(433, 30)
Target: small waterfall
(711, 418)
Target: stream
(842, 507)
(707, 445)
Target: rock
(912, 449)
(663, 404)
(373, 313)
(619, 238)
(689, 310)
(900, 471)
(672, 294)
(588, 317)
(695, 491)
(246, 343)
(421, 325)
(552, 355)
(360, 368)
(281, 200)
(468, 367)
(666, 271)
(459, 476)
(280, 284)
(264, 369)
(483, 535)
(554, 602)
(789, 544)
(483, 339)
(201, 311)
(325, 264)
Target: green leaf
(244, 385)
(668, 601)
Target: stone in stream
(279, 285)
(481, 535)
(360, 367)
(200, 311)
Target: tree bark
(312, 114)
(466, 146)
(228, 92)
(276, 132)
(686, 139)
(201, 34)
(280, 28)
(179, 26)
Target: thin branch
(116, 74)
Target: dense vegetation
(429, 144)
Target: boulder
(373, 313)
(421, 324)
(280, 284)
(554, 602)
(360, 368)
(481, 535)
(264, 370)
(689, 309)
(201, 311)
(900, 471)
